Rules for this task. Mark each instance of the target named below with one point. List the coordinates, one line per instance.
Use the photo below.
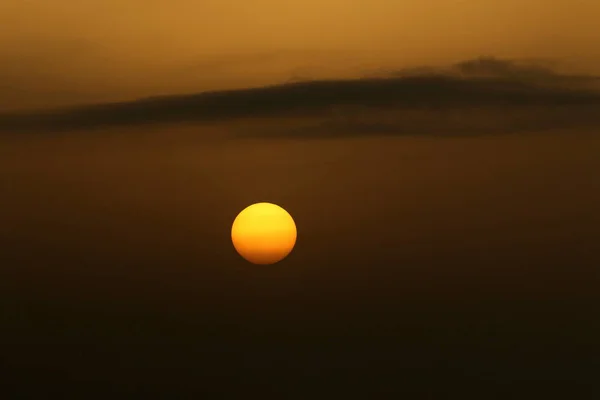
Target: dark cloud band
(483, 83)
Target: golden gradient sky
(64, 51)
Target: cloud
(514, 70)
(476, 93)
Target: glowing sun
(263, 233)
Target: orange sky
(65, 51)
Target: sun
(263, 233)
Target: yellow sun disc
(263, 233)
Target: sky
(69, 51)
(439, 158)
